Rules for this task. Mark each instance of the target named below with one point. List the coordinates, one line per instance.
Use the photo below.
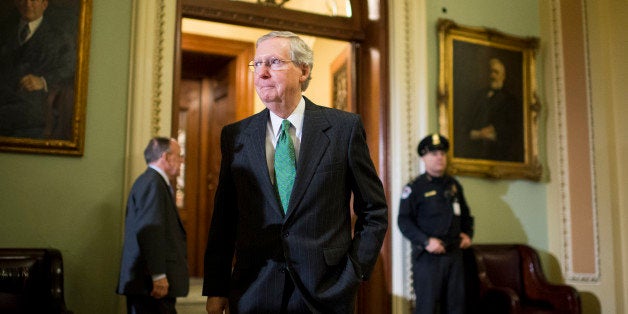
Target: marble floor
(194, 303)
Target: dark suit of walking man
(302, 258)
(154, 268)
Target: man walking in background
(154, 269)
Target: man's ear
(305, 72)
(164, 156)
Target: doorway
(215, 90)
(367, 31)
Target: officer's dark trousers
(145, 304)
(439, 283)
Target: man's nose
(263, 71)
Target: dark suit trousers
(145, 304)
(292, 301)
(289, 302)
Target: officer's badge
(435, 139)
(454, 190)
(406, 192)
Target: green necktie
(285, 165)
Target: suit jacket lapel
(255, 146)
(314, 143)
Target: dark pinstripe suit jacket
(313, 241)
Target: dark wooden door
(210, 97)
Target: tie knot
(285, 125)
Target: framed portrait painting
(44, 49)
(488, 107)
(342, 94)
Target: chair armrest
(31, 281)
(494, 299)
(57, 287)
(500, 300)
(563, 298)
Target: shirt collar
(162, 173)
(296, 118)
(34, 25)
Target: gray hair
(300, 52)
(155, 148)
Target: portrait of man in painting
(37, 68)
(488, 113)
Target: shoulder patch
(406, 192)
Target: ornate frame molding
(410, 115)
(150, 85)
(563, 154)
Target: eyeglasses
(274, 64)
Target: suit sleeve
(369, 204)
(407, 219)
(221, 239)
(151, 220)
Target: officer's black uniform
(436, 207)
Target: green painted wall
(74, 203)
(505, 210)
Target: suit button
(285, 235)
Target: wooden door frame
(243, 90)
(367, 30)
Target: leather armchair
(31, 281)
(510, 280)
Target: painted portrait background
(46, 116)
(487, 102)
(471, 88)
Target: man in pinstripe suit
(304, 258)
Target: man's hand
(216, 305)
(486, 133)
(465, 240)
(435, 246)
(160, 288)
(31, 83)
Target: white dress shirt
(272, 135)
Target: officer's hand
(435, 246)
(465, 240)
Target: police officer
(434, 216)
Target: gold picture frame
(342, 94)
(55, 120)
(487, 102)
